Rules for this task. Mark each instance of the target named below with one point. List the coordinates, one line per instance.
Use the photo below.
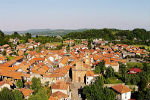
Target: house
(89, 77)
(26, 92)
(61, 95)
(53, 98)
(2, 59)
(63, 62)
(70, 42)
(123, 92)
(61, 90)
(114, 65)
(134, 70)
(6, 84)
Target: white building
(5, 84)
(61, 88)
(123, 92)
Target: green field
(146, 47)
(134, 64)
(113, 80)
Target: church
(80, 69)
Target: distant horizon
(18, 15)
(69, 29)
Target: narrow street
(75, 90)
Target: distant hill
(48, 32)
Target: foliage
(46, 39)
(5, 94)
(126, 36)
(39, 91)
(123, 71)
(109, 72)
(97, 92)
(19, 83)
(144, 80)
(36, 84)
(89, 43)
(144, 95)
(59, 47)
(4, 53)
(18, 95)
(100, 67)
(134, 64)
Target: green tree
(123, 71)
(89, 43)
(16, 35)
(34, 97)
(19, 83)
(100, 68)
(39, 91)
(5, 94)
(4, 53)
(144, 95)
(144, 80)
(97, 70)
(28, 35)
(109, 72)
(36, 84)
(1, 34)
(96, 91)
(17, 95)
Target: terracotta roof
(121, 88)
(35, 60)
(5, 81)
(13, 74)
(59, 95)
(86, 66)
(60, 85)
(18, 58)
(64, 60)
(2, 58)
(26, 92)
(89, 73)
(53, 98)
(114, 64)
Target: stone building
(79, 71)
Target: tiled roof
(5, 81)
(64, 60)
(59, 95)
(89, 73)
(26, 92)
(53, 98)
(60, 85)
(121, 88)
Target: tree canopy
(96, 91)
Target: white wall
(89, 80)
(116, 68)
(126, 96)
(4, 85)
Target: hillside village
(67, 70)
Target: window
(125, 95)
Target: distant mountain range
(48, 32)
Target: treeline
(130, 37)
(46, 39)
(140, 36)
(4, 38)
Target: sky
(17, 15)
